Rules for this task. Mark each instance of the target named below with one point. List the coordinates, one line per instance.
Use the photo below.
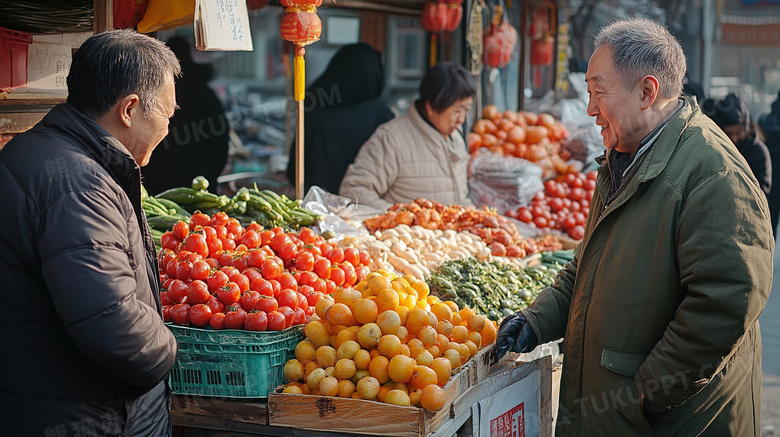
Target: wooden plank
(251, 411)
(545, 406)
(104, 15)
(18, 122)
(345, 415)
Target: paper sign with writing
(222, 25)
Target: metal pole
(299, 150)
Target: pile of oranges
(386, 339)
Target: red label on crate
(509, 424)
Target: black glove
(515, 335)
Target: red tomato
(234, 227)
(308, 278)
(256, 258)
(361, 273)
(271, 269)
(249, 299)
(198, 292)
(215, 305)
(322, 268)
(220, 219)
(234, 318)
(524, 215)
(166, 310)
(577, 194)
(241, 263)
(305, 289)
(278, 241)
(214, 264)
(169, 241)
(181, 230)
(197, 243)
(352, 256)
(365, 259)
(330, 287)
(592, 175)
(304, 261)
(200, 270)
(266, 237)
(221, 232)
(242, 282)
(250, 239)
(288, 251)
(164, 299)
(577, 232)
(325, 248)
(218, 280)
(254, 227)
(302, 301)
(540, 222)
(200, 219)
(217, 321)
(193, 258)
(214, 245)
(556, 204)
(288, 298)
(229, 294)
(180, 314)
(262, 286)
(229, 270)
(313, 297)
(200, 315)
(251, 274)
(177, 291)
(289, 316)
(300, 316)
(569, 222)
(276, 321)
(319, 285)
(337, 276)
(183, 269)
(287, 280)
(266, 304)
(350, 277)
(256, 321)
(276, 286)
(336, 255)
(228, 244)
(209, 232)
(539, 195)
(307, 235)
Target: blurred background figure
(343, 110)
(770, 127)
(198, 134)
(693, 88)
(732, 115)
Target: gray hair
(114, 64)
(643, 47)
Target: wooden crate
(323, 413)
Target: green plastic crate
(231, 363)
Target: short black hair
(444, 84)
(113, 64)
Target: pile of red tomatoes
(268, 279)
(563, 205)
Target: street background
(770, 333)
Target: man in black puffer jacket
(85, 348)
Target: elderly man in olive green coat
(659, 308)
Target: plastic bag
(166, 14)
(339, 214)
(503, 182)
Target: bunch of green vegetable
(492, 288)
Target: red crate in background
(13, 58)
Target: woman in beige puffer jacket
(421, 154)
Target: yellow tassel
(299, 78)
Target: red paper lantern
(300, 24)
(499, 44)
(301, 28)
(542, 51)
(442, 15)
